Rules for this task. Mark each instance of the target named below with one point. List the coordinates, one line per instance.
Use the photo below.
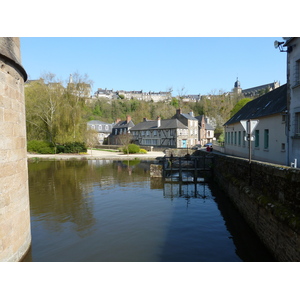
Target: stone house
(103, 129)
(181, 131)
(293, 100)
(192, 123)
(169, 133)
(120, 130)
(269, 135)
(205, 130)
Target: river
(112, 211)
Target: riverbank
(96, 154)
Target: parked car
(208, 145)
(196, 147)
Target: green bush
(40, 147)
(132, 148)
(143, 151)
(75, 147)
(43, 147)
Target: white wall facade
(270, 142)
(293, 81)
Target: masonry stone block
(15, 236)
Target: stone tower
(237, 87)
(15, 236)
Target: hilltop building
(139, 95)
(254, 91)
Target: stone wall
(15, 236)
(268, 196)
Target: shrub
(42, 147)
(75, 147)
(132, 148)
(143, 151)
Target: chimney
(128, 119)
(158, 121)
(144, 119)
(191, 113)
(178, 111)
(118, 120)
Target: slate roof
(105, 128)
(208, 126)
(165, 124)
(256, 89)
(124, 124)
(271, 103)
(97, 122)
(188, 116)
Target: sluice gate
(188, 168)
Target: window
(154, 132)
(244, 138)
(297, 72)
(266, 139)
(297, 123)
(235, 137)
(283, 147)
(256, 144)
(239, 138)
(106, 127)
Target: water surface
(108, 211)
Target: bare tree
(91, 139)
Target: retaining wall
(268, 196)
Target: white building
(103, 129)
(270, 142)
(293, 99)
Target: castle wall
(15, 236)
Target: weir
(185, 168)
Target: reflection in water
(111, 211)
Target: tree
(125, 140)
(239, 105)
(42, 107)
(55, 113)
(91, 138)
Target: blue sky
(199, 65)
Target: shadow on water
(186, 241)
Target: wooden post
(180, 169)
(195, 170)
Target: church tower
(237, 87)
